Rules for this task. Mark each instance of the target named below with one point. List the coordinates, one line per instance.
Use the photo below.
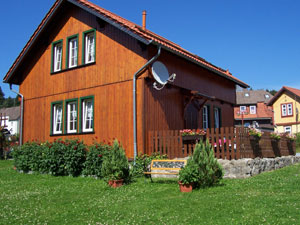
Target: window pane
(57, 119)
(87, 117)
(57, 57)
(72, 117)
(89, 48)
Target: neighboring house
(252, 110)
(286, 105)
(76, 75)
(10, 119)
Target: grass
(269, 198)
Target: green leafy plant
(291, 137)
(255, 132)
(115, 164)
(190, 173)
(94, 159)
(275, 136)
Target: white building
(10, 119)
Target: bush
(115, 165)
(298, 141)
(143, 161)
(202, 168)
(94, 160)
(210, 171)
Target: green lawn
(269, 198)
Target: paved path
(297, 154)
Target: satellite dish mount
(161, 75)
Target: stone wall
(247, 167)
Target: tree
(1, 97)
(272, 92)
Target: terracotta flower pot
(115, 183)
(185, 187)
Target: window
(89, 46)
(267, 96)
(205, 114)
(56, 118)
(243, 109)
(287, 109)
(288, 129)
(56, 56)
(72, 51)
(252, 109)
(246, 94)
(87, 114)
(217, 117)
(71, 114)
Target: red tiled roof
(136, 29)
(284, 88)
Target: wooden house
(286, 105)
(76, 76)
(252, 110)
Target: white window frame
(288, 129)
(72, 116)
(283, 110)
(57, 118)
(89, 47)
(289, 109)
(243, 109)
(57, 56)
(87, 117)
(73, 52)
(252, 109)
(205, 117)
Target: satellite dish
(161, 75)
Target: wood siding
(109, 80)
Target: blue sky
(257, 40)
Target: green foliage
(202, 168)
(115, 165)
(58, 158)
(94, 160)
(143, 162)
(298, 142)
(190, 173)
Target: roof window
(267, 96)
(246, 94)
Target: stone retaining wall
(247, 167)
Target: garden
(66, 182)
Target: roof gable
(145, 36)
(292, 91)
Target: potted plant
(115, 166)
(188, 134)
(254, 134)
(291, 137)
(188, 176)
(275, 136)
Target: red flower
(75, 147)
(99, 155)
(96, 137)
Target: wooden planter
(192, 137)
(185, 187)
(115, 183)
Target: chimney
(144, 19)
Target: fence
(228, 143)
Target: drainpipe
(22, 109)
(135, 76)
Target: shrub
(115, 165)
(143, 161)
(23, 157)
(275, 136)
(94, 160)
(190, 173)
(210, 171)
(74, 157)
